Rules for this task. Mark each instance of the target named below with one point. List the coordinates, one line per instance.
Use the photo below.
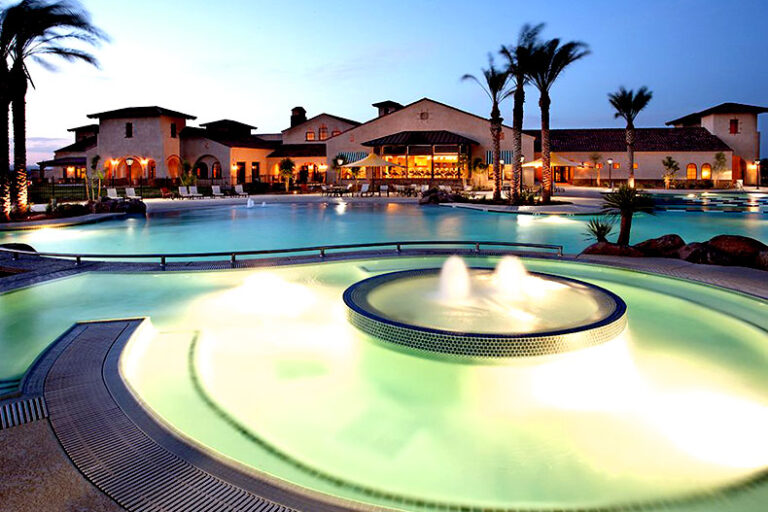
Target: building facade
(425, 140)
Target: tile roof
(723, 108)
(298, 150)
(81, 145)
(139, 112)
(420, 138)
(646, 139)
(227, 123)
(228, 139)
(89, 127)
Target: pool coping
(35, 388)
(91, 218)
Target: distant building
(428, 140)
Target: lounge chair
(112, 194)
(193, 193)
(739, 185)
(384, 189)
(216, 191)
(366, 191)
(183, 193)
(324, 190)
(130, 193)
(239, 192)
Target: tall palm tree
(495, 84)
(41, 29)
(547, 63)
(628, 105)
(518, 66)
(5, 105)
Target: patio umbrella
(372, 160)
(555, 160)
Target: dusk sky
(254, 60)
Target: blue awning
(506, 155)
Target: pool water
(279, 226)
(262, 367)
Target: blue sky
(254, 60)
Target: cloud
(42, 148)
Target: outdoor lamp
(129, 162)
(339, 161)
(522, 159)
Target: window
(706, 172)
(616, 165)
(634, 165)
(691, 172)
(734, 126)
(202, 170)
(323, 132)
(173, 130)
(598, 166)
(216, 171)
(128, 130)
(240, 173)
(310, 136)
(255, 171)
(335, 133)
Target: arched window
(202, 170)
(691, 172)
(706, 172)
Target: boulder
(436, 196)
(665, 246)
(15, 246)
(611, 249)
(761, 260)
(741, 249)
(698, 252)
(120, 206)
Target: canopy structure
(554, 161)
(372, 160)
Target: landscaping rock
(741, 249)
(761, 260)
(120, 206)
(18, 247)
(437, 196)
(665, 246)
(698, 252)
(611, 249)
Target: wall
(297, 134)
(439, 117)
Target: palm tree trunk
(497, 171)
(631, 154)
(5, 162)
(19, 105)
(625, 227)
(546, 171)
(517, 138)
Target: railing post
(77, 260)
(232, 260)
(322, 253)
(399, 249)
(560, 251)
(477, 247)
(162, 262)
(15, 256)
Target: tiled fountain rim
(478, 344)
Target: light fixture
(610, 172)
(339, 161)
(522, 159)
(129, 162)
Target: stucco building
(427, 140)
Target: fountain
(250, 203)
(484, 312)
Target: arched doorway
(174, 167)
(207, 168)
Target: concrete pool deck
(85, 457)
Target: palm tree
(37, 30)
(595, 159)
(628, 105)
(625, 202)
(518, 66)
(547, 63)
(287, 166)
(495, 84)
(5, 105)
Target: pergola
(78, 162)
(421, 143)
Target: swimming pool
(677, 405)
(278, 226)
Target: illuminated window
(335, 133)
(706, 172)
(634, 165)
(616, 165)
(310, 136)
(734, 126)
(323, 132)
(598, 166)
(691, 172)
(128, 130)
(216, 171)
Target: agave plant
(598, 228)
(624, 202)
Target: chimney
(298, 116)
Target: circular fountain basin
(542, 314)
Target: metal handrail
(233, 255)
